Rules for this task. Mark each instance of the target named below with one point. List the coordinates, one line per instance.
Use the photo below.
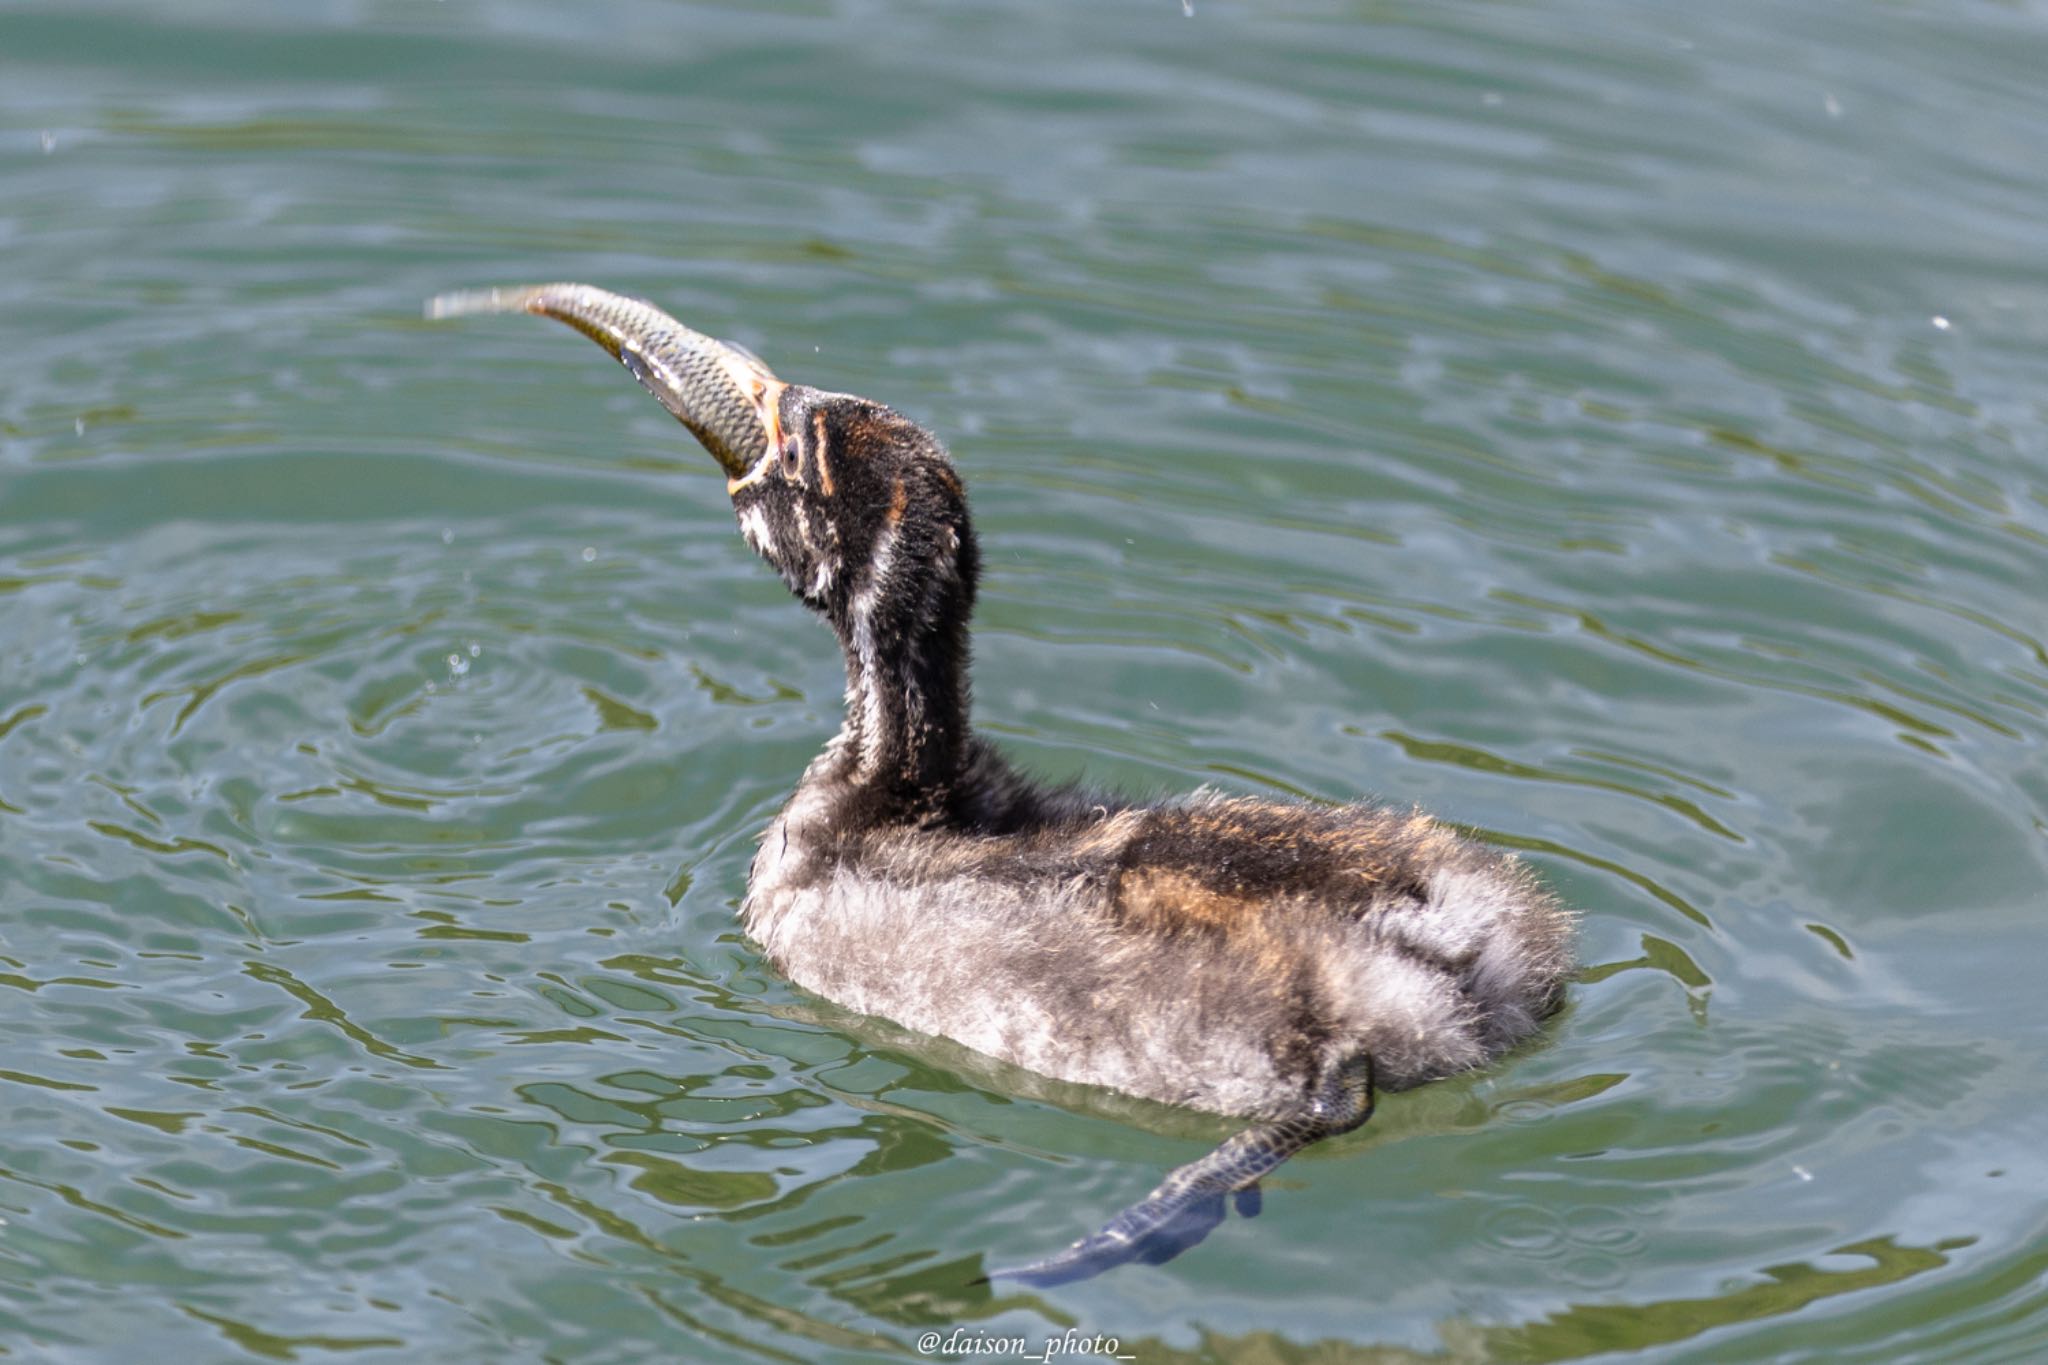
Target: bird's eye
(792, 457)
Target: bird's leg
(1189, 1202)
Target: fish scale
(716, 389)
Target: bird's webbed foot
(1189, 1203)
(1152, 1231)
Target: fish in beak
(721, 392)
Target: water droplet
(49, 140)
(1607, 1230)
(475, 649)
(458, 666)
(1802, 1173)
(589, 553)
(78, 425)
(1940, 322)
(447, 535)
(430, 687)
(1187, 7)
(1525, 1229)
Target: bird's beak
(721, 392)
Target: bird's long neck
(904, 633)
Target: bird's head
(857, 506)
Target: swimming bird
(1248, 957)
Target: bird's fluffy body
(1218, 953)
(1221, 953)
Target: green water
(1618, 427)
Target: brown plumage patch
(1109, 836)
(898, 500)
(1164, 899)
(1344, 860)
(1253, 930)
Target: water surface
(1618, 428)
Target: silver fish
(722, 392)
